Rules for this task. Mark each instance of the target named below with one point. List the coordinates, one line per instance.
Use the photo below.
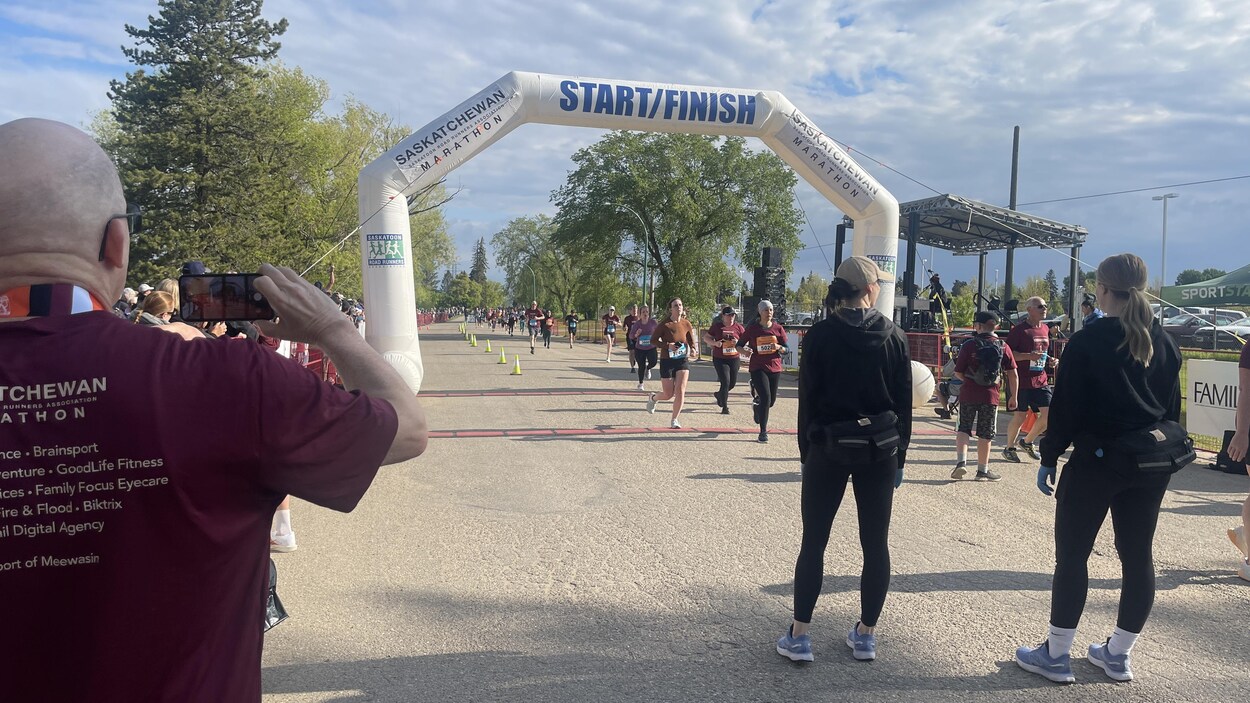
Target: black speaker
(1224, 463)
(771, 257)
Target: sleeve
(317, 442)
(962, 360)
(1245, 357)
(1009, 359)
(745, 339)
(900, 391)
(1065, 405)
(1165, 383)
(781, 336)
(1018, 340)
(809, 370)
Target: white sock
(281, 522)
(1060, 640)
(961, 456)
(1121, 642)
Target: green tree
(493, 294)
(963, 308)
(445, 285)
(810, 295)
(701, 200)
(1195, 276)
(478, 271)
(1052, 287)
(464, 292)
(565, 277)
(190, 122)
(958, 287)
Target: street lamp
(646, 251)
(533, 281)
(1163, 262)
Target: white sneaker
(608, 360)
(648, 374)
(1238, 537)
(651, 403)
(282, 543)
(640, 386)
(1244, 571)
(675, 425)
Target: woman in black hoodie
(1120, 380)
(854, 422)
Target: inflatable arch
(517, 98)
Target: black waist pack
(1162, 448)
(860, 441)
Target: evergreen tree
(477, 273)
(445, 286)
(1052, 287)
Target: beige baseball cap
(859, 271)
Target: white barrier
(517, 98)
(1211, 393)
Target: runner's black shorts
(1033, 399)
(670, 367)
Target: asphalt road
(612, 563)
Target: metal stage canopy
(968, 227)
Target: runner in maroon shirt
(610, 323)
(627, 324)
(133, 565)
(723, 338)
(1030, 344)
(766, 341)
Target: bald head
(58, 190)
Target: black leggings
(764, 383)
(824, 484)
(646, 359)
(727, 374)
(1086, 492)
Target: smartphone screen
(222, 297)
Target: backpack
(989, 358)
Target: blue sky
(1110, 95)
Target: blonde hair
(157, 303)
(1124, 276)
(169, 285)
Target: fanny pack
(860, 441)
(1162, 448)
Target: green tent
(1229, 289)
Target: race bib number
(728, 348)
(766, 344)
(644, 340)
(1038, 365)
(610, 329)
(678, 353)
(533, 322)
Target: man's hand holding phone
(304, 313)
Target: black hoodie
(1101, 391)
(854, 364)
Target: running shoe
(796, 649)
(1244, 570)
(1117, 667)
(1237, 536)
(651, 403)
(988, 475)
(648, 374)
(1037, 660)
(1009, 453)
(1029, 449)
(763, 438)
(863, 647)
(640, 386)
(961, 469)
(943, 413)
(724, 410)
(675, 424)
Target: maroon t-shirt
(971, 392)
(139, 473)
(725, 339)
(1026, 339)
(765, 346)
(612, 322)
(1245, 357)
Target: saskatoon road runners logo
(385, 249)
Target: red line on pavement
(591, 431)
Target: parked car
(1183, 327)
(1226, 336)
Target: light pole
(533, 281)
(646, 252)
(1163, 260)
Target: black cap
(194, 268)
(986, 317)
(728, 310)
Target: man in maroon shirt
(133, 563)
(1030, 341)
(978, 403)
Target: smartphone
(226, 297)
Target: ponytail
(840, 292)
(1124, 275)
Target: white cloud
(1110, 94)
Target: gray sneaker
(651, 403)
(1009, 453)
(961, 470)
(988, 475)
(1029, 449)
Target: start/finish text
(651, 103)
